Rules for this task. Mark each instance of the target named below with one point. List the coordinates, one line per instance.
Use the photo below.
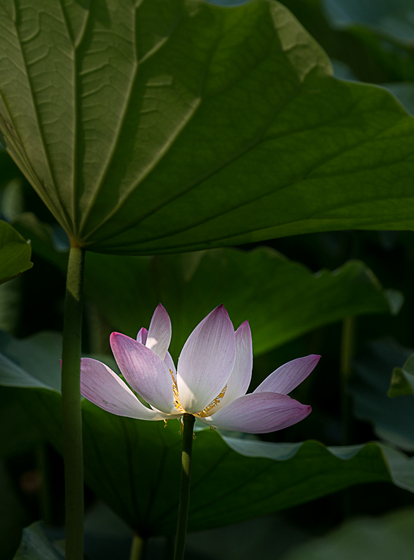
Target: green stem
(71, 406)
(137, 548)
(347, 348)
(184, 504)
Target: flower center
(177, 402)
(207, 411)
(203, 413)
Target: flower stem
(347, 350)
(71, 406)
(137, 548)
(347, 344)
(184, 504)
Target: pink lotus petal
(169, 362)
(146, 373)
(142, 336)
(259, 413)
(206, 361)
(159, 332)
(241, 375)
(288, 376)
(103, 387)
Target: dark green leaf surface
(402, 382)
(15, 253)
(18, 434)
(36, 545)
(281, 299)
(135, 466)
(8, 169)
(177, 125)
(390, 536)
(393, 419)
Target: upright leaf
(36, 545)
(15, 253)
(392, 418)
(402, 382)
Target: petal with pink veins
(159, 332)
(145, 372)
(103, 387)
(287, 377)
(240, 377)
(206, 361)
(259, 413)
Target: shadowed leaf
(15, 253)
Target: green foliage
(364, 539)
(36, 545)
(280, 298)
(389, 18)
(15, 253)
(392, 419)
(233, 479)
(402, 382)
(18, 434)
(105, 131)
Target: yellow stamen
(207, 411)
(177, 402)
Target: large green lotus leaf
(393, 419)
(390, 536)
(15, 253)
(135, 466)
(281, 299)
(171, 125)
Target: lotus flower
(213, 374)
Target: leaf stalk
(184, 503)
(71, 406)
